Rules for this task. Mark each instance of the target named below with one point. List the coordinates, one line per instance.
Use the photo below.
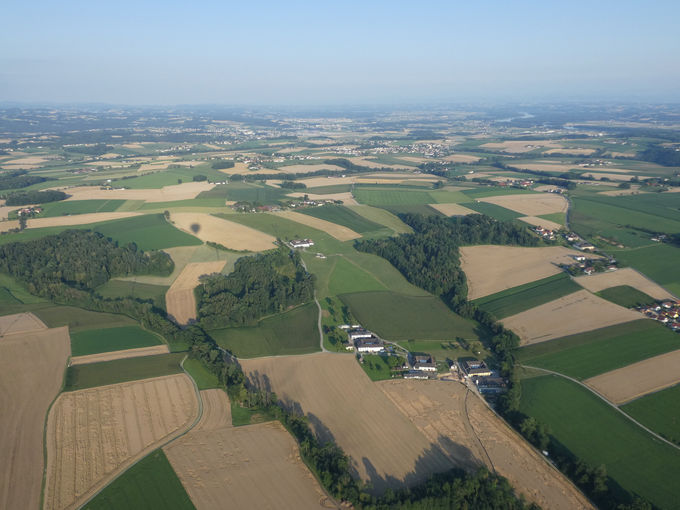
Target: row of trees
(16, 179)
(35, 197)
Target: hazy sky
(323, 52)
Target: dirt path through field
(124, 354)
(180, 301)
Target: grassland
(13, 292)
(79, 377)
(518, 299)
(493, 210)
(171, 176)
(254, 193)
(151, 483)
(79, 207)
(493, 191)
(659, 411)
(376, 367)
(382, 217)
(423, 209)
(658, 262)
(626, 296)
(205, 380)
(398, 317)
(342, 216)
(389, 197)
(244, 416)
(78, 319)
(93, 341)
(590, 429)
(596, 352)
(125, 288)
(292, 332)
(149, 232)
(347, 277)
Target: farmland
(626, 276)
(125, 288)
(339, 232)
(659, 411)
(78, 319)
(588, 354)
(523, 297)
(180, 300)
(398, 317)
(149, 232)
(80, 207)
(657, 262)
(390, 197)
(596, 433)
(292, 332)
(493, 210)
(94, 341)
(626, 296)
(347, 276)
(342, 216)
(203, 378)
(232, 235)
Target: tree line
(35, 197)
(16, 179)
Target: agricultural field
(395, 317)
(149, 232)
(342, 403)
(595, 352)
(492, 269)
(590, 429)
(521, 298)
(265, 195)
(534, 204)
(493, 210)
(555, 319)
(227, 233)
(626, 276)
(659, 411)
(377, 367)
(93, 341)
(339, 232)
(180, 300)
(452, 209)
(204, 379)
(33, 361)
(342, 216)
(382, 217)
(347, 276)
(122, 354)
(78, 319)
(83, 455)
(69, 207)
(658, 262)
(390, 197)
(292, 332)
(115, 288)
(626, 296)
(168, 193)
(80, 377)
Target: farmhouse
(583, 246)
(357, 333)
(415, 374)
(425, 363)
(476, 368)
(369, 345)
(301, 243)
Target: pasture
(376, 367)
(78, 319)
(79, 377)
(389, 197)
(590, 429)
(658, 262)
(521, 298)
(116, 288)
(626, 296)
(292, 332)
(382, 217)
(254, 193)
(93, 341)
(148, 232)
(347, 276)
(599, 351)
(84, 455)
(659, 411)
(342, 216)
(15, 292)
(151, 483)
(399, 317)
(204, 379)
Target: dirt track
(94, 434)
(646, 376)
(32, 367)
(625, 276)
(126, 353)
(227, 233)
(180, 301)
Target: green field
(347, 277)
(559, 217)
(626, 296)
(79, 377)
(149, 232)
(14, 292)
(195, 202)
(245, 416)
(377, 367)
(452, 350)
(595, 352)
(205, 380)
(94, 341)
(292, 332)
(342, 216)
(78, 319)
(330, 189)
(449, 197)
(658, 262)
(170, 177)
(593, 431)
(423, 209)
(151, 483)
(255, 193)
(659, 411)
(493, 210)
(398, 317)
(494, 191)
(124, 288)
(388, 197)
(79, 207)
(518, 299)
(383, 217)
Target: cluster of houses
(301, 243)
(29, 211)
(666, 312)
(588, 266)
(310, 203)
(545, 233)
(361, 340)
(516, 183)
(486, 380)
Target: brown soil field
(573, 151)
(305, 169)
(133, 146)
(126, 353)
(452, 209)
(462, 158)
(6, 226)
(313, 182)
(182, 191)
(94, 434)
(575, 313)
(338, 231)
(490, 269)
(647, 376)
(343, 404)
(541, 222)
(20, 323)
(6, 209)
(227, 233)
(531, 205)
(32, 367)
(626, 276)
(520, 146)
(614, 154)
(364, 161)
(161, 165)
(180, 301)
(78, 219)
(28, 162)
(216, 410)
(548, 167)
(347, 198)
(447, 412)
(613, 177)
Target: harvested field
(548, 166)
(452, 209)
(6, 226)
(315, 182)
(94, 434)
(347, 197)
(180, 301)
(232, 235)
(126, 353)
(6, 209)
(541, 222)
(78, 219)
(462, 158)
(610, 176)
(520, 146)
(571, 314)
(490, 269)
(361, 161)
(447, 410)
(626, 276)
(341, 403)
(576, 151)
(624, 384)
(31, 376)
(338, 231)
(182, 191)
(305, 169)
(20, 323)
(28, 163)
(531, 204)
(216, 411)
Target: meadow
(391, 197)
(292, 332)
(595, 352)
(170, 177)
(254, 193)
(13, 292)
(93, 341)
(518, 299)
(149, 232)
(399, 317)
(79, 377)
(126, 288)
(376, 367)
(78, 319)
(347, 277)
(442, 351)
(150, 483)
(205, 380)
(591, 430)
(79, 207)
(658, 262)
(659, 411)
(342, 216)
(626, 296)
(383, 217)
(493, 210)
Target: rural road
(657, 436)
(318, 305)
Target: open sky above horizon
(303, 53)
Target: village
(666, 312)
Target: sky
(334, 53)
